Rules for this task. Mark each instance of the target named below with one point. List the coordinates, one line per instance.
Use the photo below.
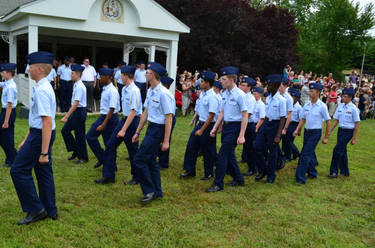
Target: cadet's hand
(276, 140)
(135, 138)
(43, 159)
(240, 140)
(283, 132)
(220, 129)
(354, 141)
(325, 140)
(100, 128)
(191, 123)
(121, 134)
(256, 130)
(20, 145)
(198, 133)
(213, 132)
(64, 119)
(5, 125)
(165, 146)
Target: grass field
(322, 213)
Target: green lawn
(322, 213)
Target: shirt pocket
(155, 102)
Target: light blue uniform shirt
(131, 99)
(79, 94)
(220, 99)
(275, 107)
(259, 112)
(197, 105)
(9, 94)
(173, 100)
(233, 104)
(158, 104)
(251, 102)
(289, 101)
(208, 103)
(315, 114)
(65, 72)
(52, 75)
(43, 103)
(297, 112)
(347, 115)
(118, 77)
(140, 76)
(110, 99)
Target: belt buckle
(226, 122)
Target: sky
(363, 4)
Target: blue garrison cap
(295, 93)
(315, 86)
(250, 81)
(8, 67)
(208, 75)
(106, 71)
(158, 68)
(77, 68)
(229, 70)
(39, 58)
(128, 69)
(267, 94)
(276, 78)
(258, 90)
(66, 58)
(166, 80)
(348, 91)
(122, 63)
(217, 84)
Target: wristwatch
(43, 154)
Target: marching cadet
(164, 156)
(248, 151)
(159, 113)
(256, 119)
(291, 151)
(108, 119)
(8, 112)
(75, 119)
(268, 136)
(235, 116)
(314, 113)
(200, 139)
(65, 81)
(132, 107)
(217, 87)
(35, 150)
(347, 116)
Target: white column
(173, 47)
(126, 53)
(12, 48)
(151, 56)
(168, 59)
(33, 47)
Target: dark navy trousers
(249, 147)
(142, 88)
(288, 142)
(110, 153)
(164, 156)
(226, 159)
(307, 160)
(340, 156)
(147, 170)
(7, 136)
(204, 143)
(76, 123)
(21, 172)
(93, 135)
(264, 141)
(66, 91)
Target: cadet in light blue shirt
(52, 78)
(66, 84)
(347, 116)
(314, 113)
(36, 148)
(235, 116)
(200, 139)
(108, 119)
(75, 119)
(260, 108)
(8, 112)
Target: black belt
(90, 82)
(202, 122)
(231, 122)
(266, 119)
(294, 122)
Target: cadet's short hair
(157, 76)
(131, 76)
(210, 81)
(11, 72)
(234, 77)
(46, 68)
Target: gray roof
(7, 6)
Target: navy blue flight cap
(348, 91)
(229, 70)
(166, 80)
(267, 94)
(250, 81)
(295, 93)
(66, 58)
(158, 68)
(217, 84)
(315, 86)
(122, 63)
(105, 63)
(128, 69)
(106, 71)
(258, 90)
(276, 78)
(140, 62)
(8, 67)
(208, 75)
(40, 58)
(76, 67)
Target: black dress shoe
(81, 161)
(187, 174)
(235, 184)
(74, 155)
(131, 182)
(249, 173)
(163, 168)
(205, 178)
(281, 164)
(260, 176)
(346, 174)
(332, 175)
(5, 165)
(128, 159)
(104, 180)
(98, 164)
(213, 189)
(311, 177)
(148, 197)
(54, 216)
(270, 180)
(33, 217)
(302, 183)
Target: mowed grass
(322, 213)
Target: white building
(99, 29)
